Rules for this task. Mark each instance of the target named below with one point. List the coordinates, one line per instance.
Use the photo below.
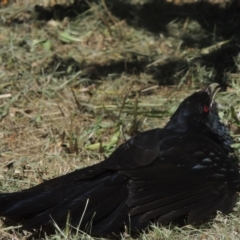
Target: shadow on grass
(165, 74)
(217, 24)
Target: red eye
(205, 109)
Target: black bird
(185, 169)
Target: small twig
(7, 95)
(185, 25)
(76, 101)
(124, 100)
(108, 12)
(61, 110)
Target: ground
(78, 79)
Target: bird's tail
(88, 196)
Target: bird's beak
(212, 90)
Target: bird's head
(198, 114)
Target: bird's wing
(192, 175)
(58, 195)
(138, 151)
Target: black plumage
(185, 169)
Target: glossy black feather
(186, 168)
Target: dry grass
(76, 82)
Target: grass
(77, 82)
